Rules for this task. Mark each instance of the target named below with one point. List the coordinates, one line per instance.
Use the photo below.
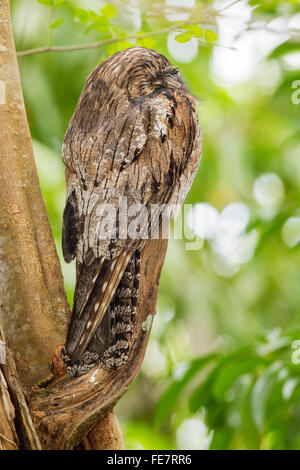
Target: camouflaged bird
(134, 135)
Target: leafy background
(222, 367)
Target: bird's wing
(71, 228)
(132, 149)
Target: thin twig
(174, 27)
(105, 42)
(228, 6)
(289, 32)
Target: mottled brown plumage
(134, 134)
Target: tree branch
(207, 18)
(106, 435)
(27, 436)
(16, 426)
(106, 42)
(8, 435)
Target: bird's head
(139, 71)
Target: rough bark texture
(8, 435)
(106, 435)
(33, 307)
(23, 425)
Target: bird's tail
(95, 288)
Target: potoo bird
(134, 137)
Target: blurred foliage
(222, 367)
(250, 394)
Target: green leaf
(56, 23)
(169, 397)
(146, 42)
(100, 23)
(250, 433)
(93, 16)
(48, 3)
(260, 393)
(221, 439)
(110, 11)
(183, 37)
(210, 36)
(52, 3)
(140, 434)
(220, 379)
(231, 372)
(274, 440)
(119, 32)
(287, 47)
(194, 30)
(202, 395)
(119, 46)
(82, 15)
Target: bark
(8, 435)
(106, 435)
(16, 426)
(35, 411)
(24, 430)
(33, 307)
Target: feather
(70, 228)
(88, 316)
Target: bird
(134, 139)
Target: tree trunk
(33, 308)
(38, 410)
(105, 435)
(8, 435)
